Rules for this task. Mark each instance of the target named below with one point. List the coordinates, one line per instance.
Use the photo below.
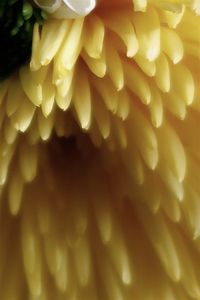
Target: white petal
(49, 6)
(81, 7)
(75, 8)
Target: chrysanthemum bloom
(100, 157)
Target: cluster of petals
(100, 156)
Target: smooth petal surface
(67, 8)
(100, 157)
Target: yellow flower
(100, 158)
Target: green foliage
(17, 19)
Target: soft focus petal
(100, 157)
(49, 6)
(67, 8)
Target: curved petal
(81, 7)
(75, 8)
(49, 6)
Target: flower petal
(75, 8)
(49, 6)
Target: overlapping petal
(99, 166)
